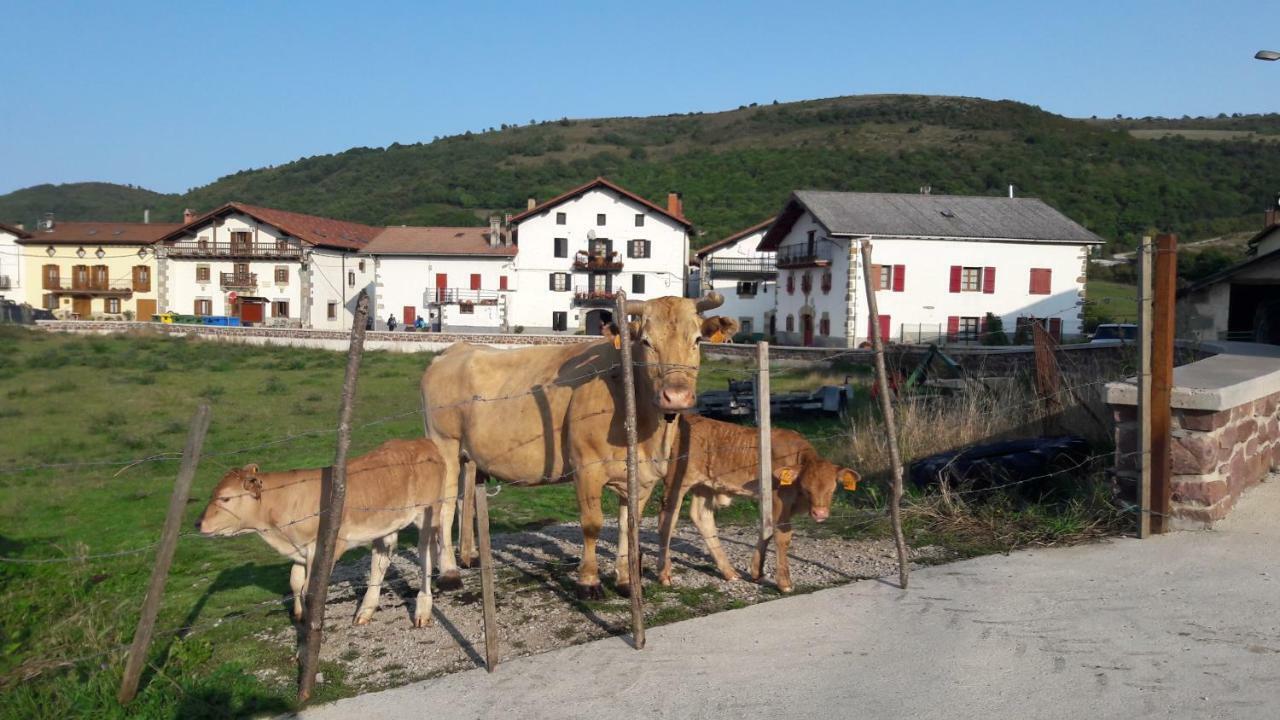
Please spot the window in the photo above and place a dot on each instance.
(826, 282)
(333, 310)
(111, 305)
(282, 274)
(204, 306)
(806, 283)
(282, 245)
(824, 325)
(51, 278)
(361, 266)
(141, 278)
(100, 276)
(561, 218)
(351, 278)
(747, 289)
(280, 309)
(745, 326)
(559, 282)
(791, 323)
(562, 247)
(50, 301)
(202, 243)
(80, 276)
(600, 219)
(1041, 281)
(971, 279)
(637, 284)
(466, 308)
(963, 329)
(559, 320)
(600, 282)
(638, 249)
(502, 282)
(475, 281)
(601, 247)
(202, 273)
(639, 219)
(882, 280)
(811, 243)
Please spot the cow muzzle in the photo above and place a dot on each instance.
(819, 514)
(674, 399)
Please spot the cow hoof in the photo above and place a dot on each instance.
(451, 580)
(362, 619)
(469, 561)
(590, 592)
(785, 588)
(422, 622)
(664, 580)
(623, 590)
(732, 577)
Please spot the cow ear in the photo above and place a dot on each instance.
(786, 474)
(633, 329)
(848, 478)
(253, 484)
(719, 329)
(251, 469)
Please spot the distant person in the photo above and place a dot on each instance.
(391, 323)
(420, 324)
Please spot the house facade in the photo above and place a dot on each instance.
(266, 267)
(11, 262)
(92, 270)
(1240, 303)
(941, 264)
(579, 248)
(457, 279)
(746, 276)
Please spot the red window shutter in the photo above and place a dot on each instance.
(475, 281)
(899, 277)
(884, 328)
(791, 284)
(502, 282)
(956, 270)
(982, 327)
(953, 327)
(989, 280)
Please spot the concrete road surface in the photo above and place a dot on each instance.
(1179, 626)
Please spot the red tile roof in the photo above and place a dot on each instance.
(66, 232)
(708, 249)
(12, 230)
(311, 229)
(598, 182)
(436, 241)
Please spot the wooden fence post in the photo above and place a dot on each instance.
(1166, 282)
(333, 496)
(763, 422)
(481, 499)
(633, 485)
(164, 556)
(1145, 290)
(890, 423)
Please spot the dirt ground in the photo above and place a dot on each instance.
(537, 608)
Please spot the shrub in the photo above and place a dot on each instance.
(995, 334)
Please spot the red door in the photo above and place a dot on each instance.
(475, 281)
(884, 328)
(250, 312)
(806, 322)
(442, 286)
(408, 315)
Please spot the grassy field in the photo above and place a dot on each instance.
(1117, 300)
(77, 411)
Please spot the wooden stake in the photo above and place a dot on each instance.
(763, 422)
(333, 497)
(633, 484)
(467, 515)
(1162, 315)
(486, 574)
(890, 424)
(164, 556)
(1145, 290)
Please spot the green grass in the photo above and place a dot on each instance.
(1116, 300)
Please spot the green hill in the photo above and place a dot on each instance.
(737, 167)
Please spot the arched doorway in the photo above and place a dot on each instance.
(806, 326)
(596, 320)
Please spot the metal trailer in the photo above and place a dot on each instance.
(739, 401)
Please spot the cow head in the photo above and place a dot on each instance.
(817, 479)
(666, 334)
(235, 505)
(719, 329)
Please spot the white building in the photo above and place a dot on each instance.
(11, 262)
(457, 279)
(745, 275)
(265, 267)
(941, 264)
(576, 250)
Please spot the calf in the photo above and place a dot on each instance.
(718, 460)
(396, 485)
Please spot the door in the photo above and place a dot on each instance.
(806, 322)
(82, 307)
(559, 320)
(409, 316)
(884, 328)
(146, 308)
(442, 286)
(250, 311)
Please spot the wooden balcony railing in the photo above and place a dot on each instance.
(585, 261)
(234, 281)
(586, 297)
(802, 256)
(454, 296)
(232, 250)
(88, 287)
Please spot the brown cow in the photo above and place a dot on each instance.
(396, 485)
(718, 460)
(553, 414)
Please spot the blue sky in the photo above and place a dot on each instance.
(173, 95)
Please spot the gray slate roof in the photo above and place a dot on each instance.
(916, 215)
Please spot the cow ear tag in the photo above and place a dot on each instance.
(617, 342)
(850, 480)
(786, 476)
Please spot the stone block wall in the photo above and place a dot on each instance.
(1216, 455)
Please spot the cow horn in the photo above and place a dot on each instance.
(710, 301)
(635, 307)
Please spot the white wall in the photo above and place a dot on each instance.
(664, 270)
(411, 280)
(11, 266)
(926, 298)
(743, 308)
(816, 302)
(338, 276)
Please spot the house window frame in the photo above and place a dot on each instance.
(562, 218)
(282, 274)
(969, 328)
(637, 284)
(971, 279)
(559, 282)
(111, 305)
(639, 219)
(205, 271)
(602, 219)
(203, 307)
(639, 249)
(331, 310)
(276, 305)
(560, 247)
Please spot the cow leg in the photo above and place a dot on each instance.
(672, 498)
(782, 541)
(426, 542)
(705, 520)
(450, 577)
(622, 569)
(467, 553)
(589, 485)
(379, 561)
(298, 584)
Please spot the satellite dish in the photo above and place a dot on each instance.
(591, 234)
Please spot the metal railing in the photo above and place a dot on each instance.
(1238, 336)
(594, 298)
(454, 296)
(923, 334)
(97, 287)
(728, 267)
(232, 250)
(239, 280)
(803, 256)
(585, 261)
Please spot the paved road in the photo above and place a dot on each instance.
(1180, 626)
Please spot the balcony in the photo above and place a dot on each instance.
(586, 297)
(599, 262)
(234, 250)
(800, 256)
(747, 268)
(110, 288)
(457, 296)
(239, 281)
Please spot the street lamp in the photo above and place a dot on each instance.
(1267, 55)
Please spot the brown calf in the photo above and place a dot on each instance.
(396, 485)
(717, 460)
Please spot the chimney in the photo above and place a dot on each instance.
(46, 224)
(675, 204)
(146, 216)
(21, 226)
(495, 231)
(1270, 219)
(1010, 190)
(188, 216)
(532, 204)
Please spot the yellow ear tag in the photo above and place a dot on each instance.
(716, 337)
(786, 476)
(617, 342)
(850, 481)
